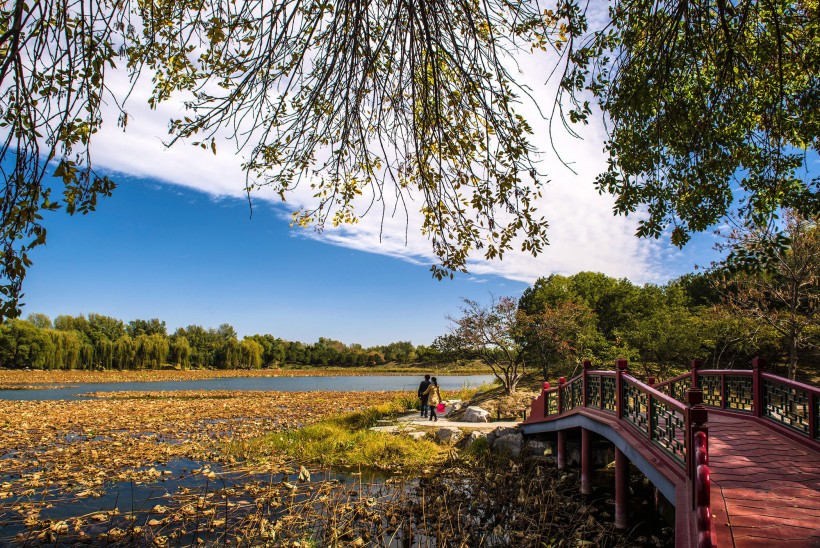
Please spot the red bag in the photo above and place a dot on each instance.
(440, 408)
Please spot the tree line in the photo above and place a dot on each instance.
(97, 342)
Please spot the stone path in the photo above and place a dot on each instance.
(416, 420)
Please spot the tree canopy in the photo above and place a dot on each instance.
(402, 106)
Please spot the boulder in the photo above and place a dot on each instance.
(449, 435)
(509, 443)
(475, 435)
(416, 435)
(504, 431)
(476, 414)
(537, 448)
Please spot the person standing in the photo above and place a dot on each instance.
(423, 396)
(433, 397)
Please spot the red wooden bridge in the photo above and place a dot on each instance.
(737, 452)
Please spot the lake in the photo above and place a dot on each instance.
(344, 383)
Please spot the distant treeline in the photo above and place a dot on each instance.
(102, 342)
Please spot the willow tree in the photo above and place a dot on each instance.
(411, 105)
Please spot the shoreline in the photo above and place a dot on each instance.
(13, 379)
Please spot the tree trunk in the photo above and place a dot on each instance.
(792, 355)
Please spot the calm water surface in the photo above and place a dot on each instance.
(279, 384)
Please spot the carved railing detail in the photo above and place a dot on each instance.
(676, 387)
(787, 405)
(608, 393)
(669, 428)
(594, 391)
(576, 392)
(635, 408)
(712, 386)
(738, 393)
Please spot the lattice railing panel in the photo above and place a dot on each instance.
(566, 397)
(786, 405)
(738, 393)
(817, 417)
(635, 406)
(676, 389)
(577, 392)
(669, 429)
(594, 391)
(608, 393)
(712, 389)
(551, 403)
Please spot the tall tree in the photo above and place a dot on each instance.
(492, 333)
(39, 320)
(557, 335)
(785, 294)
(135, 328)
(181, 352)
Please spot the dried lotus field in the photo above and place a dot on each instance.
(148, 468)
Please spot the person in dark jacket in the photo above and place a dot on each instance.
(422, 396)
(434, 398)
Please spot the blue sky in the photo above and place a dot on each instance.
(160, 250)
(156, 250)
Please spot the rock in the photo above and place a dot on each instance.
(416, 435)
(538, 448)
(504, 431)
(392, 429)
(455, 405)
(475, 435)
(476, 414)
(510, 443)
(448, 435)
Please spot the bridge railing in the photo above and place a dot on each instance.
(660, 417)
(677, 428)
(785, 402)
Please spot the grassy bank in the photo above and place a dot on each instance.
(347, 441)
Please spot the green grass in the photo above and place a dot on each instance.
(346, 441)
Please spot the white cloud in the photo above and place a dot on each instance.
(583, 233)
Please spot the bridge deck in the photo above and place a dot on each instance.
(765, 487)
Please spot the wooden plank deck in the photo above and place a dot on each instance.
(765, 487)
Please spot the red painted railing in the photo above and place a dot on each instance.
(781, 401)
(672, 414)
(677, 428)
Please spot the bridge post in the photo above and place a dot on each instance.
(620, 368)
(586, 462)
(697, 456)
(544, 397)
(562, 434)
(585, 378)
(621, 490)
(758, 366)
(695, 422)
(696, 365)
